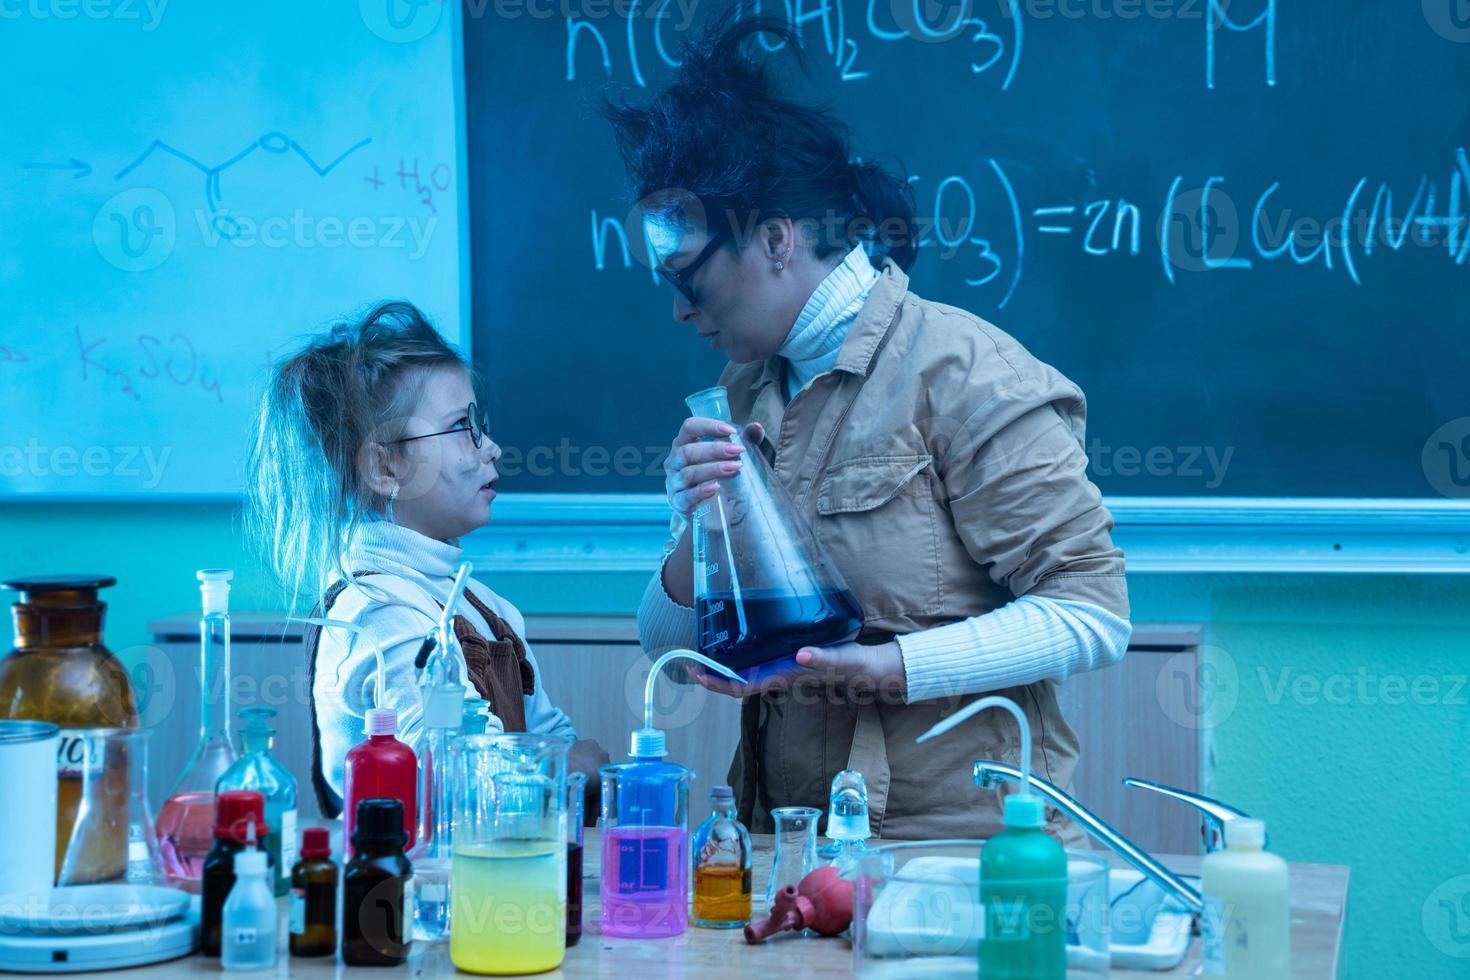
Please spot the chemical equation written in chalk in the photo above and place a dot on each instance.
(991, 34)
(1200, 224)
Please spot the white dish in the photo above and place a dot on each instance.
(94, 908)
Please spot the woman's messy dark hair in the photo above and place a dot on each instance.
(722, 134)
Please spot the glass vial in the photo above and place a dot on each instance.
(376, 887)
(722, 862)
(249, 941)
(314, 897)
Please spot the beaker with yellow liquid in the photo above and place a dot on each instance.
(508, 875)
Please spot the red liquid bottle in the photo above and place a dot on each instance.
(380, 768)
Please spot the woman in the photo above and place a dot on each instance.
(939, 462)
(371, 460)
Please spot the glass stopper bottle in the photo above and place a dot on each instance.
(257, 769)
(722, 860)
(187, 814)
(61, 672)
(848, 826)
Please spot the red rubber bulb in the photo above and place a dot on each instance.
(831, 897)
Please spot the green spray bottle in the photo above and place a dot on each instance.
(1023, 876)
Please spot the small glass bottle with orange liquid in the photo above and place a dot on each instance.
(722, 860)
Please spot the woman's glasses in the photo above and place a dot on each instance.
(683, 279)
(476, 422)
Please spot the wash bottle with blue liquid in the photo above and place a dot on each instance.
(645, 829)
(1023, 875)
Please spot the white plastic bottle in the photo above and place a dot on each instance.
(248, 937)
(1247, 917)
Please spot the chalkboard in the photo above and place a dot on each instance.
(1149, 195)
(188, 188)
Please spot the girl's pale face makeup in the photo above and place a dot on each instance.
(446, 485)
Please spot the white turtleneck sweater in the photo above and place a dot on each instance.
(396, 607)
(1030, 639)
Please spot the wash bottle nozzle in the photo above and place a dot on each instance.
(650, 742)
(360, 633)
(1023, 809)
(439, 636)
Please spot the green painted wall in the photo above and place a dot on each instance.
(1337, 705)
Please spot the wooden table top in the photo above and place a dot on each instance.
(1318, 907)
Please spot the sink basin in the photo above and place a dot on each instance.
(1150, 928)
(919, 916)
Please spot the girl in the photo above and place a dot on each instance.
(940, 463)
(371, 460)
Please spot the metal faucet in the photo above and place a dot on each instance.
(989, 773)
(1216, 814)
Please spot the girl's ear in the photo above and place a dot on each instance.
(378, 471)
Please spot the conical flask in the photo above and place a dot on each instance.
(763, 585)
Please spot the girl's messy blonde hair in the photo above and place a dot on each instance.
(347, 394)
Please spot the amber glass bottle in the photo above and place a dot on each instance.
(61, 672)
(376, 904)
(314, 897)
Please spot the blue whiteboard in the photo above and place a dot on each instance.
(189, 188)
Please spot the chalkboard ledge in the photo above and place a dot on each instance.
(615, 533)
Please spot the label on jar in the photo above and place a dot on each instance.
(298, 911)
(77, 755)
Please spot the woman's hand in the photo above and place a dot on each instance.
(851, 669)
(694, 466)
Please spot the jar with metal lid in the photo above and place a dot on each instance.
(60, 671)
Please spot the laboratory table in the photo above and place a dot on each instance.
(1318, 909)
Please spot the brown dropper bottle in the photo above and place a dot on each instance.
(61, 672)
(314, 896)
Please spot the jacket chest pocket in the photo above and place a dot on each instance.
(878, 520)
